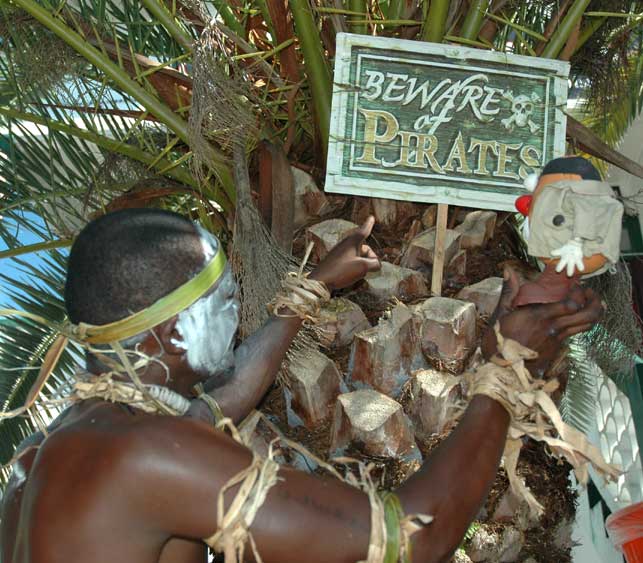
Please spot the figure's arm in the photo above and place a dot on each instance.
(258, 359)
(257, 362)
(304, 517)
(465, 464)
(325, 519)
(12, 497)
(454, 482)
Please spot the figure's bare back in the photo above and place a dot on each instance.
(69, 497)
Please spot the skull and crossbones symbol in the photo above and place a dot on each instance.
(522, 107)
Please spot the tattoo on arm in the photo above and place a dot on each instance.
(330, 511)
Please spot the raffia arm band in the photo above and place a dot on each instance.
(534, 414)
(211, 402)
(233, 523)
(391, 530)
(302, 296)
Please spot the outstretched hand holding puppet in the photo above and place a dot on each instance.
(573, 227)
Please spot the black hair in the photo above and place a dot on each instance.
(572, 165)
(124, 261)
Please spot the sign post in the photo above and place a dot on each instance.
(441, 123)
(438, 251)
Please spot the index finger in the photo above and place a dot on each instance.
(366, 227)
(554, 310)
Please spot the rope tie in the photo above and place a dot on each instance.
(533, 414)
(106, 388)
(301, 295)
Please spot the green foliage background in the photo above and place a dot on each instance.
(95, 99)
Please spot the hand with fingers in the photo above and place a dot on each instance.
(542, 328)
(349, 260)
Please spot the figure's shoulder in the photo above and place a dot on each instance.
(112, 436)
(160, 437)
(141, 448)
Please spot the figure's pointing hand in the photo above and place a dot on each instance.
(350, 260)
(371, 260)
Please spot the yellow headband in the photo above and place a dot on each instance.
(162, 310)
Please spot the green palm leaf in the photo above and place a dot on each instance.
(95, 97)
(24, 342)
(579, 401)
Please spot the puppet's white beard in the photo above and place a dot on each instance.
(208, 328)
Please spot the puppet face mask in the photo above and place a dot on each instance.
(208, 328)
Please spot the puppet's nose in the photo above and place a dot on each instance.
(523, 203)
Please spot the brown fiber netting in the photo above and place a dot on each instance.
(39, 60)
(614, 342)
(224, 111)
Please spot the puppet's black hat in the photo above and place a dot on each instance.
(572, 165)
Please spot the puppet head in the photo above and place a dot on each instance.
(574, 218)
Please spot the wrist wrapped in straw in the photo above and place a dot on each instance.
(302, 296)
(533, 413)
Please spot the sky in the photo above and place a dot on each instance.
(8, 266)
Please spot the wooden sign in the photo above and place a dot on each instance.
(441, 123)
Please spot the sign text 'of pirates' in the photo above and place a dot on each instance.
(440, 123)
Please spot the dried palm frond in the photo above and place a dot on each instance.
(39, 58)
(223, 110)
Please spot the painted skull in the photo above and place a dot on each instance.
(522, 108)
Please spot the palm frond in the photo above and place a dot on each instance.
(608, 70)
(578, 404)
(24, 342)
(96, 96)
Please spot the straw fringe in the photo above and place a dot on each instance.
(533, 414)
(233, 524)
(104, 387)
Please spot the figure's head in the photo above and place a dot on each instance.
(572, 168)
(567, 168)
(125, 261)
(551, 215)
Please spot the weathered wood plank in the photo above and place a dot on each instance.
(589, 142)
(441, 123)
(438, 256)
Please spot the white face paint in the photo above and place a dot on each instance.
(209, 325)
(209, 243)
(208, 328)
